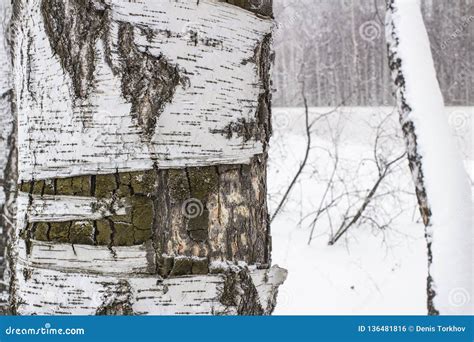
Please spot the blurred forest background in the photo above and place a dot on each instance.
(339, 47)
(339, 171)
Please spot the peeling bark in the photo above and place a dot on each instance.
(126, 176)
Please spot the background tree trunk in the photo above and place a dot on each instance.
(408, 128)
(441, 182)
(143, 132)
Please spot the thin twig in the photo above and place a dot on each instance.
(306, 156)
(344, 228)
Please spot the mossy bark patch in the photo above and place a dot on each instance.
(59, 231)
(103, 233)
(82, 232)
(132, 228)
(41, 231)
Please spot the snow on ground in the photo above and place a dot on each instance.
(369, 271)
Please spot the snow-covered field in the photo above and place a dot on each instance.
(374, 268)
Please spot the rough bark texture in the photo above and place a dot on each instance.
(142, 158)
(7, 149)
(414, 156)
(147, 83)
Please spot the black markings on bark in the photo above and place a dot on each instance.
(259, 127)
(260, 7)
(118, 300)
(73, 28)
(414, 158)
(265, 58)
(7, 214)
(239, 291)
(408, 128)
(148, 82)
(244, 129)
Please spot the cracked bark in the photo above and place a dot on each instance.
(159, 206)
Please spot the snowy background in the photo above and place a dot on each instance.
(379, 265)
(371, 270)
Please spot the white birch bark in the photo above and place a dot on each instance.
(442, 186)
(6, 145)
(210, 45)
(131, 115)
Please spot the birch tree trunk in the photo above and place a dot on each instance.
(442, 186)
(7, 151)
(143, 131)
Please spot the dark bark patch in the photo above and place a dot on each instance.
(182, 265)
(244, 129)
(222, 225)
(148, 82)
(73, 28)
(265, 58)
(134, 227)
(82, 233)
(118, 300)
(202, 182)
(432, 311)
(239, 291)
(59, 231)
(261, 7)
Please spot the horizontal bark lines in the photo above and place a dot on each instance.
(214, 212)
(235, 290)
(115, 85)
